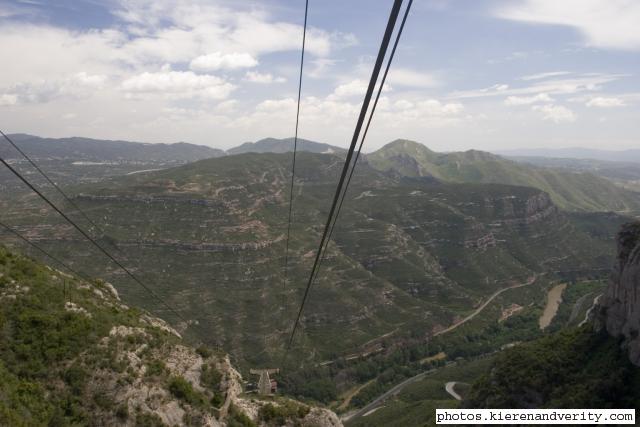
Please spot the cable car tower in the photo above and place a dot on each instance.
(266, 385)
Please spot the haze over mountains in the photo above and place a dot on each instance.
(576, 153)
(78, 149)
(96, 150)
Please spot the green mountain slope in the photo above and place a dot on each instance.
(576, 191)
(69, 161)
(98, 150)
(570, 369)
(408, 255)
(71, 353)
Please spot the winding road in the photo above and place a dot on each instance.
(484, 305)
(449, 387)
(392, 392)
(398, 387)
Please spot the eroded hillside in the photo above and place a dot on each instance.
(408, 253)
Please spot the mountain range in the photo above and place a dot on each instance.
(571, 190)
(94, 150)
(425, 242)
(210, 236)
(572, 185)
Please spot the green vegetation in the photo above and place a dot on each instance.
(61, 364)
(208, 237)
(414, 263)
(284, 411)
(183, 390)
(148, 420)
(237, 418)
(577, 298)
(577, 190)
(570, 369)
(415, 405)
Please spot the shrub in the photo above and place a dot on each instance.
(238, 419)
(155, 368)
(278, 415)
(210, 377)
(75, 378)
(183, 390)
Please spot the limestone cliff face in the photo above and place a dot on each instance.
(514, 210)
(619, 310)
(101, 362)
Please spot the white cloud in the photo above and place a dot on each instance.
(403, 104)
(265, 78)
(609, 24)
(412, 78)
(500, 87)
(219, 61)
(320, 67)
(555, 113)
(434, 107)
(90, 80)
(603, 102)
(275, 105)
(527, 100)
(540, 76)
(354, 89)
(8, 99)
(77, 86)
(178, 84)
(582, 83)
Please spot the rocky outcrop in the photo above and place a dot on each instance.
(516, 211)
(619, 308)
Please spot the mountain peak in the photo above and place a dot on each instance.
(406, 145)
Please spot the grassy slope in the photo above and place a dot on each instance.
(578, 191)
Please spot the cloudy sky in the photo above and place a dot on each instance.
(486, 74)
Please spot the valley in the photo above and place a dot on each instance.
(318, 213)
(419, 265)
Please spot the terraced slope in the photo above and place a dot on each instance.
(569, 190)
(410, 254)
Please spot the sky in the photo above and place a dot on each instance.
(482, 74)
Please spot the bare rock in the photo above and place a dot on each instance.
(619, 308)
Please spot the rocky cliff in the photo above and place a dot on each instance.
(619, 310)
(71, 353)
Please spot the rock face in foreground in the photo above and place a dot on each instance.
(619, 310)
(71, 353)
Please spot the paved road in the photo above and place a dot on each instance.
(397, 388)
(588, 313)
(392, 392)
(449, 387)
(531, 281)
